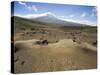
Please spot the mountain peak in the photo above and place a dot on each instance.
(50, 18)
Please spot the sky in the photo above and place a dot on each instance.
(75, 13)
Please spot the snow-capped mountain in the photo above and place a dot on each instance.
(51, 19)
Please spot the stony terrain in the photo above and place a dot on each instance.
(43, 47)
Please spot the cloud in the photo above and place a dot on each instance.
(84, 21)
(83, 14)
(36, 15)
(22, 3)
(71, 16)
(34, 8)
(88, 22)
(94, 11)
(30, 8)
(63, 16)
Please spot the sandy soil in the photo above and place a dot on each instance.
(60, 56)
